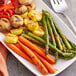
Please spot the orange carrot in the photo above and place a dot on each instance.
(36, 49)
(38, 63)
(18, 46)
(40, 48)
(50, 68)
(19, 52)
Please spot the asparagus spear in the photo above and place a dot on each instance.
(46, 35)
(64, 47)
(62, 57)
(36, 41)
(61, 34)
(54, 54)
(57, 56)
(72, 44)
(54, 30)
(71, 51)
(40, 23)
(68, 45)
(32, 39)
(52, 37)
(50, 45)
(67, 58)
(51, 33)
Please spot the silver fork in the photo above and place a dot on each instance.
(60, 6)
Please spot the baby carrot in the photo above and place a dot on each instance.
(19, 52)
(18, 46)
(50, 68)
(38, 63)
(43, 50)
(36, 49)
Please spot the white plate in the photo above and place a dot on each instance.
(61, 64)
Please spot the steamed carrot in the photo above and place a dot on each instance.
(38, 63)
(19, 52)
(43, 50)
(36, 49)
(50, 68)
(18, 46)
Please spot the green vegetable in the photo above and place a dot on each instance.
(51, 33)
(63, 45)
(72, 44)
(54, 30)
(40, 23)
(67, 58)
(32, 39)
(50, 45)
(71, 51)
(46, 35)
(56, 55)
(68, 45)
(52, 37)
(59, 31)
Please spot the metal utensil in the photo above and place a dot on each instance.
(60, 6)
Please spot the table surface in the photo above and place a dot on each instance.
(15, 68)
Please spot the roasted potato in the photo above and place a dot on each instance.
(16, 21)
(25, 2)
(21, 9)
(32, 6)
(35, 15)
(4, 24)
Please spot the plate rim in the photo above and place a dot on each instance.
(14, 54)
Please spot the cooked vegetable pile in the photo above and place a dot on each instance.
(34, 54)
(54, 41)
(34, 35)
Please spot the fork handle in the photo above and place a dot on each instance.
(74, 28)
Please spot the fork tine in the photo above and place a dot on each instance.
(58, 1)
(54, 1)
